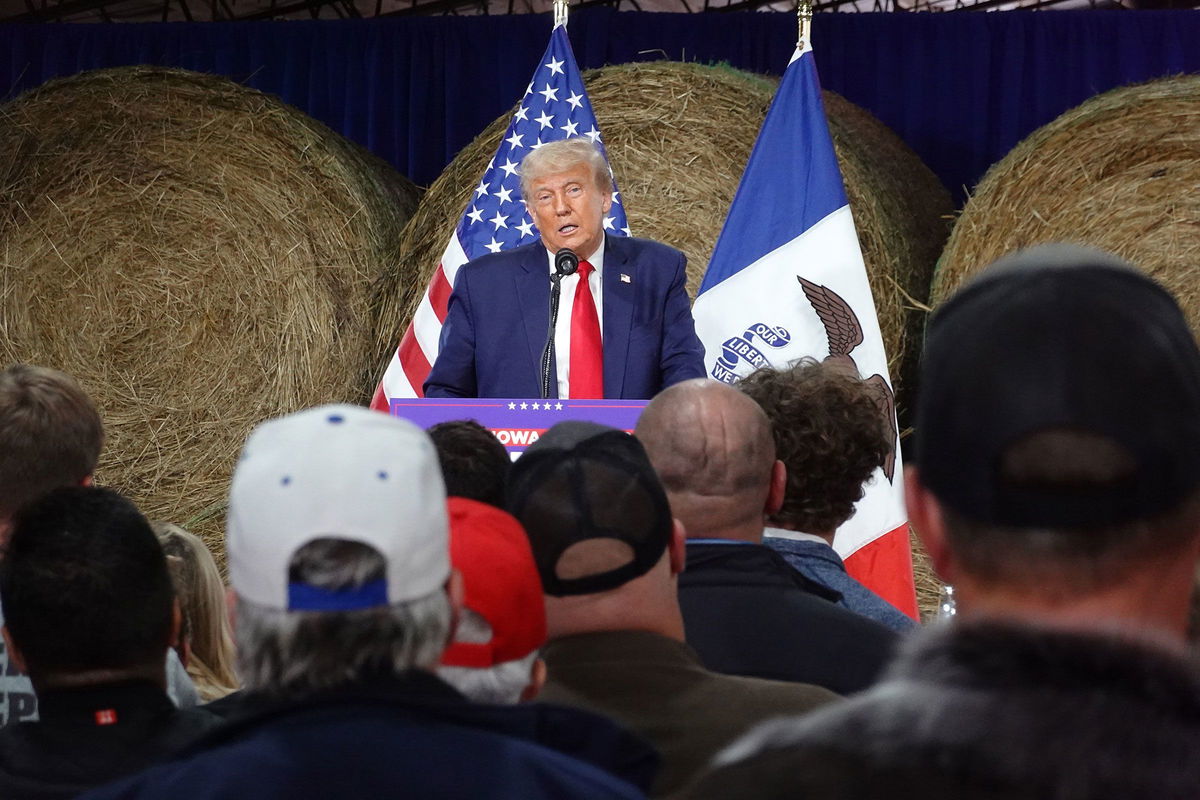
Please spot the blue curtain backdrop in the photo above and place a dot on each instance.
(961, 89)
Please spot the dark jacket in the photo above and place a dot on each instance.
(495, 328)
(820, 563)
(747, 612)
(411, 736)
(657, 687)
(571, 731)
(90, 736)
(991, 710)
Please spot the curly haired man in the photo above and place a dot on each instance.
(829, 435)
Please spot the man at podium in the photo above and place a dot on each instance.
(623, 324)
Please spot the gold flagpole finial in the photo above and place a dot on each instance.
(560, 12)
(804, 12)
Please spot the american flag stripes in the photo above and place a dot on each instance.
(555, 106)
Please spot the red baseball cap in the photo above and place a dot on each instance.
(500, 581)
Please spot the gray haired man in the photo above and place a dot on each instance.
(345, 599)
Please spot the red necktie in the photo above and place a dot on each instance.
(586, 378)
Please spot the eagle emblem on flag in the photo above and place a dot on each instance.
(844, 332)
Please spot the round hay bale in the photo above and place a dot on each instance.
(198, 254)
(679, 136)
(1119, 172)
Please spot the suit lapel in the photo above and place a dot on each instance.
(532, 286)
(618, 313)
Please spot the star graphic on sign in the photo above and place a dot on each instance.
(545, 120)
(549, 93)
(571, 128)
(555, 66)
(481, 189)
(608, 223)
(511, 406)
(526, 228)
(493, 246)
(576, 100)
(500, 221)
(505, 195)
(558, 406)
(509, 167)
(475, 214)
(593, 134)
(522, 113)
(524, 406)
(514, 141)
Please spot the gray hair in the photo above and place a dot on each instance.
(561, 156)
(291, 653)
(500, 683)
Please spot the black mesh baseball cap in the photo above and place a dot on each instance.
(1059, 338)
(582, 488)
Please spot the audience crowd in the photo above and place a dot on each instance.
(660, 614)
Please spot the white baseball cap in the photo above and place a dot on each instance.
(344, 472)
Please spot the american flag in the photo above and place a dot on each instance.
(555, 106)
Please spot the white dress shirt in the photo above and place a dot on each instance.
(566, 301)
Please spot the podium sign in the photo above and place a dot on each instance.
(517, 422)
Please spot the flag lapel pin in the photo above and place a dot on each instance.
(625, 278)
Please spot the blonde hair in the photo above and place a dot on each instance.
(202, 600)
(561, 156)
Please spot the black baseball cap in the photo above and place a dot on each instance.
(582, 482)
(1059, 338)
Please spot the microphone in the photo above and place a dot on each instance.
(566, 262)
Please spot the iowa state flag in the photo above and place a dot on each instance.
(787, 280)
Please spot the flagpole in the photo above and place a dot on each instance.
(560, 12)
(804, 12)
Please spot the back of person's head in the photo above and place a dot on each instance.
(85, 590)
(827, 773)
(201, 593)
(593, 508)
(711, 447)
(474, 463)
(830, 435)
(50, 434)
(494, 655)
(338, 551)
(1058, 426)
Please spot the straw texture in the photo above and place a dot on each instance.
(198, 255)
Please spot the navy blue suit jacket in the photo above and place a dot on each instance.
(495, 328)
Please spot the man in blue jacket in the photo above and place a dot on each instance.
(624, 327)
(345, 599)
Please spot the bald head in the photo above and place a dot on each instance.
(713, 450)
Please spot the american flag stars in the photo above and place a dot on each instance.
(554, 107)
